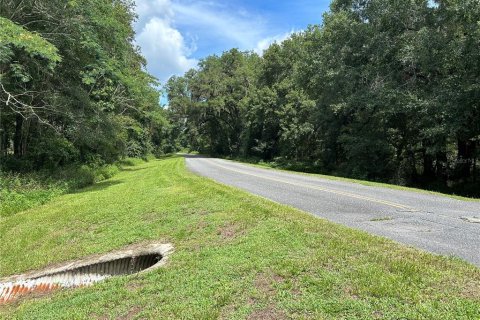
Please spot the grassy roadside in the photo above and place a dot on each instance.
(237, 256)
(272, 166)
(21, 191)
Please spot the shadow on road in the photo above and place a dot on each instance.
(199, 156)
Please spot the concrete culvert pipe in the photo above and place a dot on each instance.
(85, 272)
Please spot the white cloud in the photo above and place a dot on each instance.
(165, 49)
(168, 32)
(158, 8)
(217, 20)
(163, 46)
(263, 44)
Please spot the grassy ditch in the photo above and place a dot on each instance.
(237, 256)
(21, 191)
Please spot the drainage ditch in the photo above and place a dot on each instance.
(86, 272)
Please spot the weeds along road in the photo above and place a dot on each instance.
(432, 222)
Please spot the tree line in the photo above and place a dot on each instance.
(384, 90)
(73, 86)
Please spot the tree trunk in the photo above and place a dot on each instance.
(25, 134)
(475, 169)
(428, 171)
(3, 139)
(441, 166)
(465, 154)
(17, 139)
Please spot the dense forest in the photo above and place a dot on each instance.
(73, 87)
(383, 90)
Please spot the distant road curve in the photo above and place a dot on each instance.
(431, 222)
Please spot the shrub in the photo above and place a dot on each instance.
(21, 191)
(105, 172)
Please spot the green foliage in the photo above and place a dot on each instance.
(14, 36)
(211, 102)
(74, 89)
(18, 193)
(236, 256)
(384, 90)
(21, 191)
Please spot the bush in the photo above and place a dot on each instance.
(105, 172)
(78, 178)
(130, 162)
(21, 191)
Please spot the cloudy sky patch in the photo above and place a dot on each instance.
(175, 34)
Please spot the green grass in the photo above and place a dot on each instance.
(21, 191)
(236, 255)
(275, 166)
(18, 193)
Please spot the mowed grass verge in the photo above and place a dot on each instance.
(236, 256)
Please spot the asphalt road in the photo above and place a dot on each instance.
(434, 223)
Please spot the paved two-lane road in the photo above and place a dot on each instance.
(434, 223)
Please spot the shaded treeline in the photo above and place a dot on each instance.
(384, 90)
(73, 87)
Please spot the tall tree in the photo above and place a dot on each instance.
(76, 68)
(383, 90)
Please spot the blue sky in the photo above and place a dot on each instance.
(175, 34)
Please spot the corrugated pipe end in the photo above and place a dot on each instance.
(86, 272)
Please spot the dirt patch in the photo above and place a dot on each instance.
(27, 296)
(196, 228)
(277, 278)
(296, 291)
(227, 312)
(264, 283)
(230, 231)
(468, 289)
(269, 313)
(471, 290)
(134, 285)
(377, 315)
(152, 216)
(92, 228)
(131, 313)
(200, 212)
(351, 293)
(202, 225)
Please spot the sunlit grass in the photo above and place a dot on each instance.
(236, 255)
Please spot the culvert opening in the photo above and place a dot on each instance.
(87, 271)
